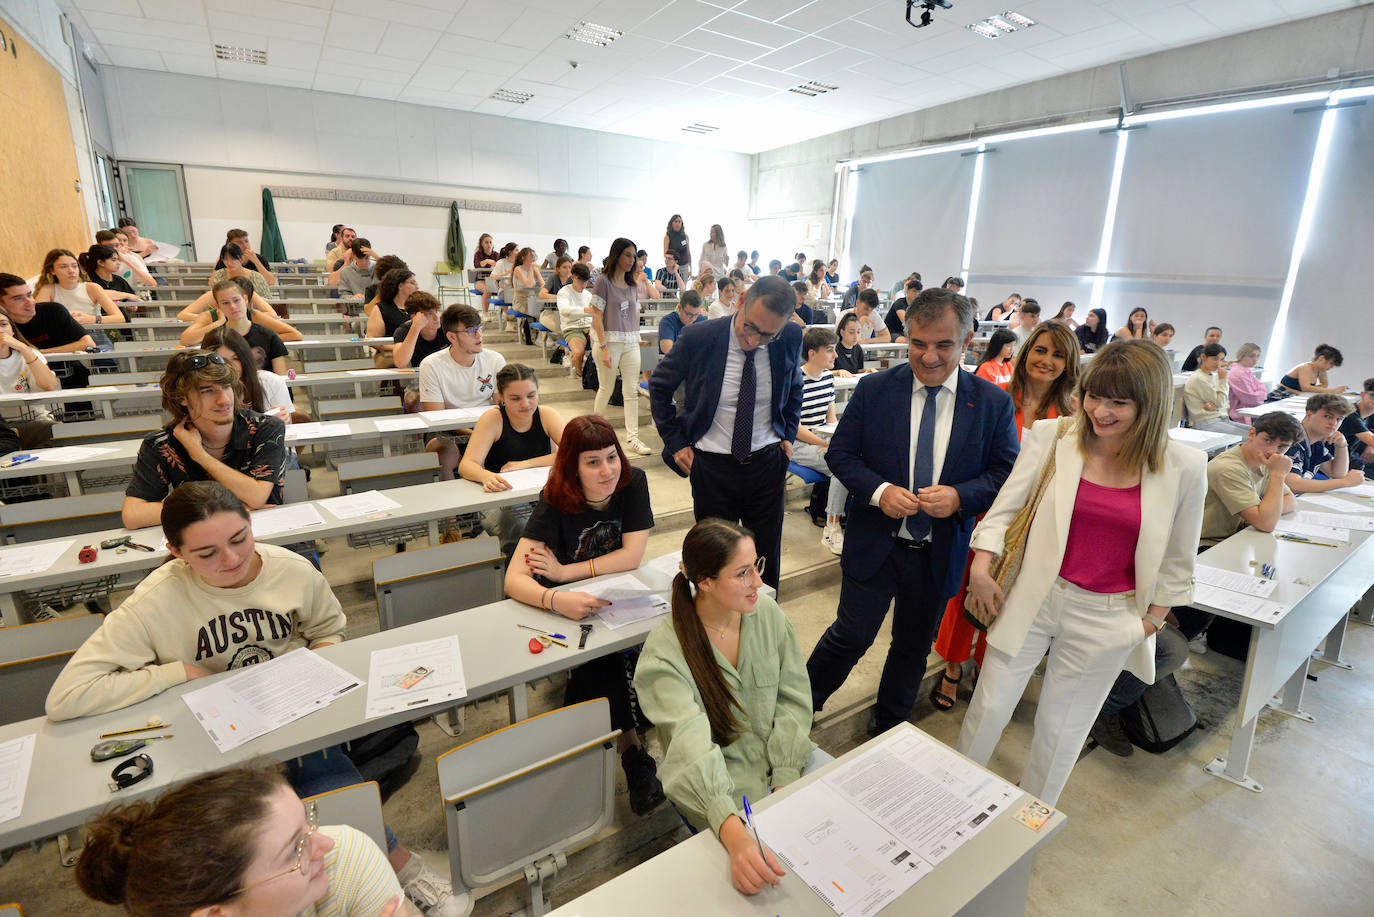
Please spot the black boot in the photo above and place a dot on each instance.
(641, 774)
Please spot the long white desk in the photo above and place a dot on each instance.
(988, 875)
(65, 787)
(152, 329)
(130, 352)
(1336, 579)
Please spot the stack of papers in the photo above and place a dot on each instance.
(1238, 593)
(286, 518)
(630, 600)
(408, 422)
(31, 558)
(1320, 533)
(1360, 490)
(15, 757)
(315, 430)
(1335, 521)
(260, 698)
(461, 415)
(1339, 504)
(527, 478)
(415, 675)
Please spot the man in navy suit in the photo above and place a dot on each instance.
(923, 449)
(733, 439)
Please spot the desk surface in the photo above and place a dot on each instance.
(695, 875)
(126, 350)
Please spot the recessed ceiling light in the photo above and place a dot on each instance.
(240, 55)
(1019, 20)
(593, 34)
(697, 128)
(1005, 24)
(512, 95)
(1000, 24)
(812, 88)
(982, 28)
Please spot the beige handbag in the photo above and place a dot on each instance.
(1006, 566)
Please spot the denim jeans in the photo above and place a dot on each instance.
(328, 769)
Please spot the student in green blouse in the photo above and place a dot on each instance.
(725, 683)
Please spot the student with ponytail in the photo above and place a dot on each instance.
(725, 683)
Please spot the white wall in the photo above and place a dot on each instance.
(586, 186)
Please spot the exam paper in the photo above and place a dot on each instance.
(71, 453)
(667, 565)
(31, 558)
(1334, 520)
(285, 518)
(447, 415)
(386, 690)
(1359, 490)
(630, 600)
(1236, 582)
(1249, 606)
(1339, 504)
(259, 698)
(527, 478)
(369, 372)
(1188, 435)
(351, 506)
(15, 757)
(1326, 533)
(408, 422)
(315, 430)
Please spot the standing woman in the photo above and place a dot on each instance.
(1065, 314)
(675, 241)
(615, 332)
(63, 281)
(1092, 334)
(1137, 328)
(1043, 378)
(484, 257)
(1110, 549)
(1246, 390)
(593, 518)
(725, 683)
(101, 263)
(995, 366)
(714, 252)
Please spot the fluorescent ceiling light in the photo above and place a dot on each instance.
(593, 34)
(1050, 131)
(512, 95)
(908, 154)
(1104, 250)
(240, 55)
(813, 88)
(1000, 24)
(1224, 107)
(1019, 20)
(697, 128)
(1359, 92)
(972, 212)
(982, 28)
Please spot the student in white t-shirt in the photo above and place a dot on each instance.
(574, 313)
(871, 327)
(463, 376)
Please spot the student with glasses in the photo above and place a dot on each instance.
(724, 682)
(733, 438)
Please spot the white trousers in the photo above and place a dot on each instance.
(1089, 636)
(625, 359)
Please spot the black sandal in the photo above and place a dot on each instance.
(940, 701)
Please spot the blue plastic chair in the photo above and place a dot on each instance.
(808, 475)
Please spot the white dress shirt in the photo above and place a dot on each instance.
(721, 433)
(944, 423)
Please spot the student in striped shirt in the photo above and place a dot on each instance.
(818, 409)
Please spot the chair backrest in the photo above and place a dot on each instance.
(61, 516)
(119, 428)
(419, 585)
(359, 806)
(31, 658)
(384, 473)
(534, 788)
(11, 910)
(376, 405)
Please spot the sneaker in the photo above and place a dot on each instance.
(641, 774)
(1108, 733)
(431, 892)
(833, 538)
(634, 445)
(1198, 644)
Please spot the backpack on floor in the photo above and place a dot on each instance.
(820, 494)
(385, 756)
(1229, 637)
(590, 380)
(1160, 719)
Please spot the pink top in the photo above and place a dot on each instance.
(1247, 391)
(1100, 554)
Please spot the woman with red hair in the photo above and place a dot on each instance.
(592, 518)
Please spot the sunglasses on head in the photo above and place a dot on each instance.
(202, 360)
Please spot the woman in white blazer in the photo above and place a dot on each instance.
(1111, 548)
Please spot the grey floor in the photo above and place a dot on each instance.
(1146, 835)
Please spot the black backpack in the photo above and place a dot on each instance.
(1160, 719)
(386, 756)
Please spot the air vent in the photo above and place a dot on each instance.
(240, 55)
(695, 128)
(593, 34)
(512, 95)
(812, 88)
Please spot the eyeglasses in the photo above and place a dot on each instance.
(472, 331)
(313, 823)
(752, 331)
(745, 577)
(201, 360)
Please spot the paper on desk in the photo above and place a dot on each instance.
(15, 757)
(1359, 490)
(286, 518)
(369, 372)
(527, 478)
(31, 558)
(1236, 582)
(351, 506)
(1308, 530)
(408, 422)
(1188, 435)
(630, 600)
(71, 453)
(260, 698)
(385, 693)
(1338, 504)
(315, 430)
(1334, 521)
(666, 565)
(462, 415)
(1248, 606)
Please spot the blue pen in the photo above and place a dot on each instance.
(749, 819)
(19, 460)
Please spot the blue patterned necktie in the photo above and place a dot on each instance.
(742, 437)
(923, 469)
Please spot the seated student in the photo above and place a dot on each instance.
(895, 320)
(1244, 387)
(498, 282)
(1206, 396)
(688, 312)
(263, 390)
(574, 313)
(1358, 430)
(817, 289)
(818, 409)
(1310, 377)
(754, 264)
(484, 257)
(1092, 334)
(231, 256)
(102, 265)
(260, 308)
(131, 266)
(742, 262)
(706, 287)
(526, 280)
(774, 267)
(871, 327)
(1138, 326)
(142, 246)
(251, 260)
(418, 336)
(212, 436)
(381, 266)
(517, 433)
(849, 356)
(337, 256)
(548, 293)
(223, 602)
(1004, 310)
(1212, 336)
(593, 517)
(802, 314)
(955, 284)
(358, 272)
(851, 295)
(462, 375)
(668, 281)
(728, 296)
(1065, 315)
(260, 331)
(23, 369)
(560, 251)
(1322, 449)
(62, 280)
(1025, 320)
(46, 326)
(231, 842)
(393, 290)
(725, 682)
(793, 272)
(996, 363)
(1163, 335)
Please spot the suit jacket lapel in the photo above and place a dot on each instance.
(904, 380)
(1068, 471)
(1157, 491)
(965, 407)
(714, 367)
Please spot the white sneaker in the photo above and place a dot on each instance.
(431, 892)
(1198, 644)
(832, 536)
(638, 448)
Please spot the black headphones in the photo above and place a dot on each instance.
(129, 772)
